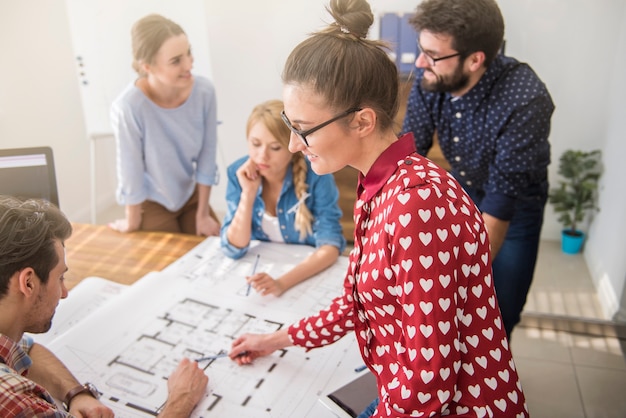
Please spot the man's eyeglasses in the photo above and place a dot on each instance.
(432, 60)
(304, 134)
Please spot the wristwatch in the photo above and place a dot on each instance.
(87, 387)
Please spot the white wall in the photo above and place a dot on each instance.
(249, 46)
(39, 98)
(606, 246)
(579, 50)
(572, 45)
(577, 47)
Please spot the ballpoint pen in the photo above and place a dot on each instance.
(220, 355)
(214, 357)
(256, 263)
(360, 368)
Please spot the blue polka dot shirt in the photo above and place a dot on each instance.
(495, 136)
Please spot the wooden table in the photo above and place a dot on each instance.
(96, 250)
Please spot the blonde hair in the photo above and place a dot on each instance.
(148, 34)
(268, 113)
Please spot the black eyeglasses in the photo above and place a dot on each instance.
(432, 60)
(303, 134)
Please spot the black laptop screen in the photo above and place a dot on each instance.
(28, 173)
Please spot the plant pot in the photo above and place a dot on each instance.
(571, 243)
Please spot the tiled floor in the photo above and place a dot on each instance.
(562, 285)
(564, 374)
(568, 375)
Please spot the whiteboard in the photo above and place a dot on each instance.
(100, 31)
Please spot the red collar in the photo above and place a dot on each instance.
(385, 165)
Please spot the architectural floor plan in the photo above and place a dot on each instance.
(195, 309)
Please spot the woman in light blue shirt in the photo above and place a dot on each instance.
(274, 195)
(165, 126)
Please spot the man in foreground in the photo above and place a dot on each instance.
(32, 268)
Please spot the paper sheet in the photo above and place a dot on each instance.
(85, 298)
(196, 307)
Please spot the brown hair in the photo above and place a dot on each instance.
(344, 67)
(148, 35)
(475, 25)
(268, 113)
(28, 231)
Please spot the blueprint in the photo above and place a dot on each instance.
(86, 297)
(195, 308)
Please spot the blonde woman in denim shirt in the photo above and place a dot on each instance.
(273, 195)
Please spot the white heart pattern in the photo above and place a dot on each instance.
(419, 295)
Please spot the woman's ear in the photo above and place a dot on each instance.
(144, 67)
(366, 119)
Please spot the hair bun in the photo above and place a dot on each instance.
(351, 16)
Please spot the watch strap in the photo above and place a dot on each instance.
(76, 390)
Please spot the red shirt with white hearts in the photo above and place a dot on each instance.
(419, 296)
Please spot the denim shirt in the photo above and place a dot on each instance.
(322, 202)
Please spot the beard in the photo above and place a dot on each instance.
(40, 328)
(47, 326)
(448, 83)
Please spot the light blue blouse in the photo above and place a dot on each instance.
(322, 202)
(162, 153)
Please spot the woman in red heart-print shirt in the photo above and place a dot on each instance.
(418, 292)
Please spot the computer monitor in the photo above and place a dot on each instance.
(28, 173)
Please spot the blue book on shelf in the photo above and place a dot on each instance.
(390, 33)
(408, 50)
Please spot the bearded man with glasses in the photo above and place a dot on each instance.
(491, 115)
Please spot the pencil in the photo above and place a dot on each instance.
(256, 263)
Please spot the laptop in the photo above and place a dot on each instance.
(28, 173)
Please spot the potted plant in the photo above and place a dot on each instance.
(576, 194)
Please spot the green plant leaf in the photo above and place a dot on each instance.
(576, 193)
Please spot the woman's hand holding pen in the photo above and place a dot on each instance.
(248, 347)
(264, 284)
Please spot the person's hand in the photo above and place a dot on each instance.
(185, 387)
(248, 347)
(206, 225)
(132, 221)
(249, 178)
(84, 405)
(264, 284)
(122, 225)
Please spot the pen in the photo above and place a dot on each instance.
(220, 355)
(256, 263)
(214, 357)
(298, 203)
(360, 368)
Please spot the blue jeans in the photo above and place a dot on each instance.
(369, 411)
(514, 266)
